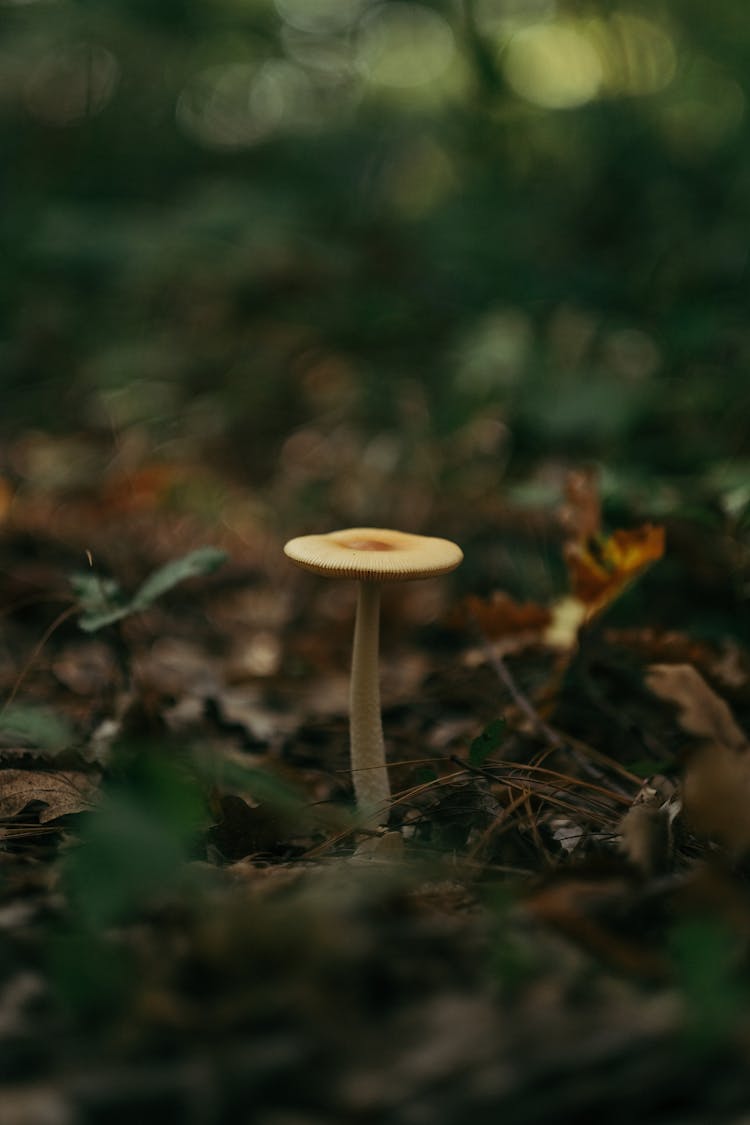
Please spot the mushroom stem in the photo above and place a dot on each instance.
(369, 770)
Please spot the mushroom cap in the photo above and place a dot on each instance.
(374, 554)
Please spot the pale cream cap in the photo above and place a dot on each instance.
(374, 554)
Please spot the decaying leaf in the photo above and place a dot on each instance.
(716, 782)
(501, 616)
(62, 791)
(716, 796)
(701, 711)
(601, 567)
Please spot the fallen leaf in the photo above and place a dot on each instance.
(716, 796)
(716, 780)
(701, 711)
(600, 568)
(659, 646)
(61, 791)
(501, 616)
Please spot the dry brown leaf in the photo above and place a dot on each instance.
(62, 791)
(701, 711)
(501, 616)
(600, 568)
(716, 796)
(716, 782)
(660, 646)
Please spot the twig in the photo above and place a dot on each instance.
(522, 701)
(524, 704)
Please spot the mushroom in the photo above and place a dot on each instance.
(371, 555)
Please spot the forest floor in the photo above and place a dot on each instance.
(193, 926)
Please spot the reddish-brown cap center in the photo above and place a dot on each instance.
(368, 545)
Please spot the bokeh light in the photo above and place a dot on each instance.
(707, 108)
(237, 105)
(320, 17)
(71, 83)
(501, 17)
(404, 45)
(554, 65)
(638, 56)
(565, 63)
(495, 351)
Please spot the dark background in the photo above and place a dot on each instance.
(467, 241)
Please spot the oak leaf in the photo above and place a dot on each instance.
(60, 791)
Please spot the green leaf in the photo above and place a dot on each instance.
(194, 565)
(36, 726)
(101, 600)
(103, 603)
(91, 622)
(94, 593)
(487, 742)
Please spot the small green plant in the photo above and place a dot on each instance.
(102, 601)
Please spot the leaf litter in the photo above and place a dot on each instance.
(212, 928)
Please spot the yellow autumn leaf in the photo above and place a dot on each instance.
(600, 567)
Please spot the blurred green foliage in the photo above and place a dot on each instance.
(103, 603)
(709, 970)
(135, 844)
(131, 855)
(225, 220)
